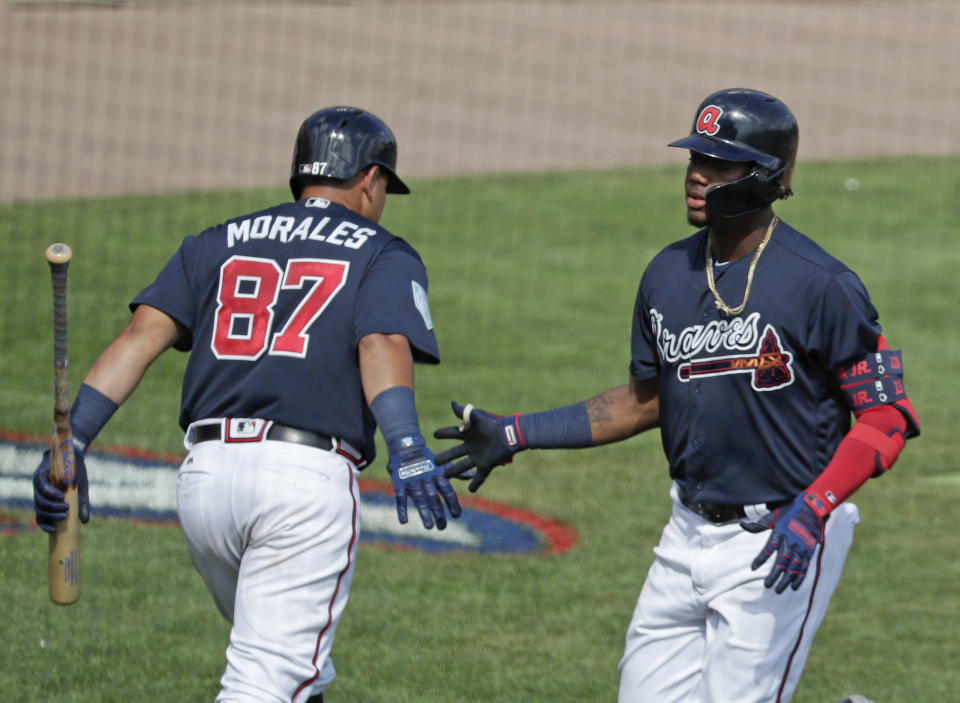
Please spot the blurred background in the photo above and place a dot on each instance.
(146, 97)
(533, 134)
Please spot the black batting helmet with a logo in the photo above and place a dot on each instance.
(338, 143)
(745, 125)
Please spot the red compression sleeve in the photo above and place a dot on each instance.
(870, 447)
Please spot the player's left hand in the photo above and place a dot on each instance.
(48, 500)
(797, 530)
(417, 477)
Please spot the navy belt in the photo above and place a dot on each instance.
(720, 513)
(278, 433)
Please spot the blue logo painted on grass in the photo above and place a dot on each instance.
(142, 486)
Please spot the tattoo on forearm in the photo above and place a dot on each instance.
(599, 410)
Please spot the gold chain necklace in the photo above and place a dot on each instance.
(718, 301)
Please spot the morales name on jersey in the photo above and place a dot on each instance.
(286, 229)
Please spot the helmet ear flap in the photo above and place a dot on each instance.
(773, 179)
(748, 194)
(785, 180)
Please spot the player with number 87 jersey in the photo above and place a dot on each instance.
(303, 322)
(268, 311)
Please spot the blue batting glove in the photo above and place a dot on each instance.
(418, 477)
(797, 530)
(48, 500)
(488, 440)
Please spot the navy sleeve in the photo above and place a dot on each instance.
(393, 300)
(172, 293)
(845, 324)
(644, 358)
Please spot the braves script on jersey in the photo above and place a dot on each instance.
(767, 373)
(273, 286)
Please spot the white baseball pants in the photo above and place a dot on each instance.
(272, 527)
(706, 630)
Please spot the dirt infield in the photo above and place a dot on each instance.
(147, 97)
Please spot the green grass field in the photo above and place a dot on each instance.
(532, 283)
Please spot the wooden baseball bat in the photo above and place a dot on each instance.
(64, 561)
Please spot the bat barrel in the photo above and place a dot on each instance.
(64, 555)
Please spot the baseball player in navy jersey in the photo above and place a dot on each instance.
(303, 323)
(751, 348)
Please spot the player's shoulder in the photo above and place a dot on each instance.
(399, 245)
(686, 252)
(686, 245)
(805, 252)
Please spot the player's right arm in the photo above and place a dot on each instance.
(488, 440)
(625, 411)
(121, 366)
(110, 381)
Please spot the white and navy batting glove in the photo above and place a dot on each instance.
(488, 440)
(797, 529)
(418, 477)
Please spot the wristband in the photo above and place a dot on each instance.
(561, 428)
(396, 414)
(90, 412)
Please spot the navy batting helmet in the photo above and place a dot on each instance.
(746, 126)
(338, 143)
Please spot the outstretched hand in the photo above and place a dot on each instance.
(488, 441)
(797, 529)
(418, 476)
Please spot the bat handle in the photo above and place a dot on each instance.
(58, 256)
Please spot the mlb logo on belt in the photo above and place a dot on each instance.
(241, 429)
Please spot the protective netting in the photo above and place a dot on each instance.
(169, 96)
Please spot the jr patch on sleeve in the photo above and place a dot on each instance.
(876, 379)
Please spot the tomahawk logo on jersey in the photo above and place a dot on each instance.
(769, 367)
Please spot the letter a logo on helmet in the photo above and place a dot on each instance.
(708, 121)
